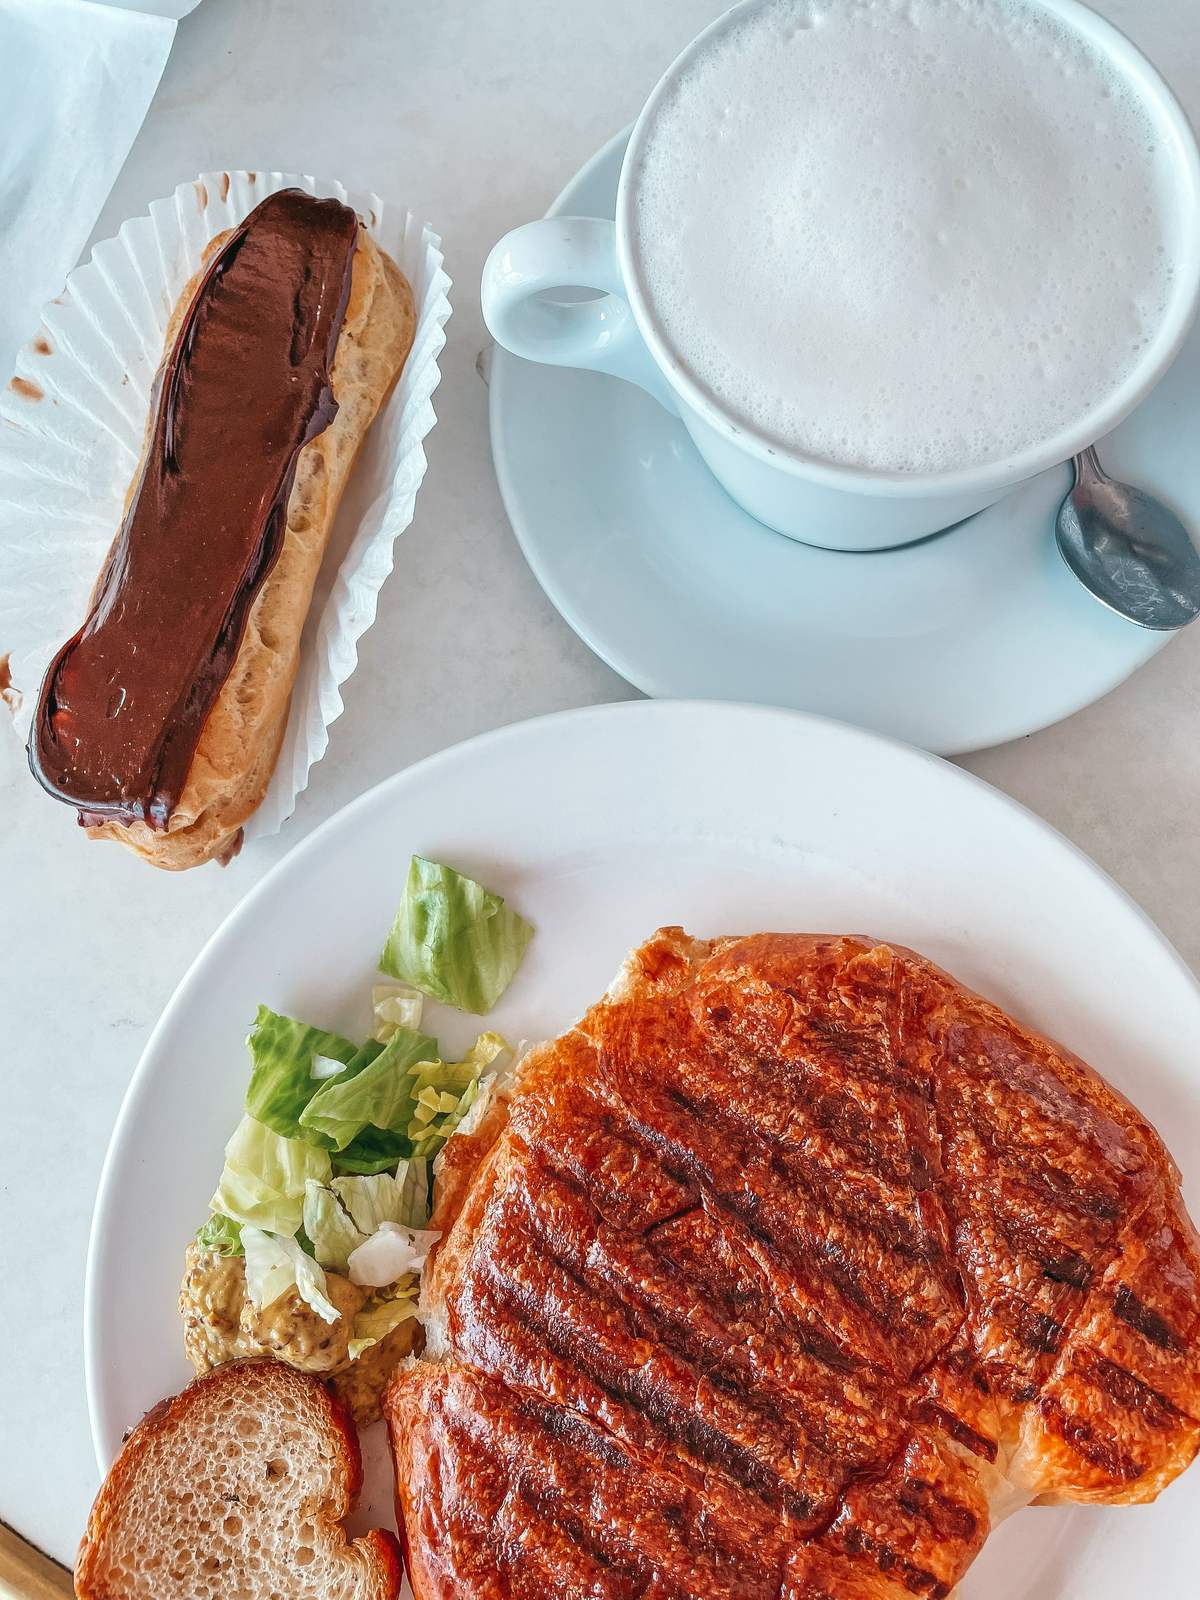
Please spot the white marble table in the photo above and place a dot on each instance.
(475, 113)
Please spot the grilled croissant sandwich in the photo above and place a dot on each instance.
(785, 1275)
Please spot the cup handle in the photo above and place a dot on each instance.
(598, 334)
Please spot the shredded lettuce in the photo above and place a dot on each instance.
(372, 1150)
(402, 1198)
(390, 1253)
(445, 1091)
(330, 1231)
(386, 1309)
(376, 1113)
(379, 1095)
(364, 1057)
(396, 1005)
(339, 1220)
(284, 1053)
(494, 1082)
(411, 1104)
(491, 1052)
(453, 939)
(274, 1265)
(262, 1182)
(437, 1116)
(221, 1235)
(366, 1053)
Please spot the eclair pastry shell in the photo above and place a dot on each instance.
(240, 741)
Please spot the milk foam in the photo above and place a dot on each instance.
(906, 235)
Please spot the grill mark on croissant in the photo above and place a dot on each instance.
(1038, 1331)
(588, 1358)
(693, 1433)
(687, 1165)
(1086, 1440)
(1069, 1269)
(643, 1413)
(944, 1515)
(1016, 1173)
(1143, 1320)
(528, 1482)
(609, 1545)
(764, 1573)
(543, 1501)
(1058, 1193)
(824, 1183)
(673, 1314)
(915, 1578)
(1051, 1242)
(1126, 1389)
(715, 1139)
(607, 1549)
(906, 1235)
(955, 1427)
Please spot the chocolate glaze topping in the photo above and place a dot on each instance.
(244, 388)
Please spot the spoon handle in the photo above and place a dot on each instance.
(1087, 466)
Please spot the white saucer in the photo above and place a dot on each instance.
(966, 640)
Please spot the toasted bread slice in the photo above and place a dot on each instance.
(236, 1486)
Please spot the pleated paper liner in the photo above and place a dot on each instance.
(72, 423)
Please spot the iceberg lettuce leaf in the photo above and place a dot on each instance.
(222, 1236)
(391, 1253)
(453, 939)
(372, 1150)
(282, 1081)
(329, 1229)
(396, 1005)
(379, 1095)
(445, 1091)
(386, 1309)
(402, 1197)
(262, 1181)
(274, 1265)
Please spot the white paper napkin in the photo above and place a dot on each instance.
(76, 80)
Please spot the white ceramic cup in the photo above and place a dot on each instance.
(839, 507)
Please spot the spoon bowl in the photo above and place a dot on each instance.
(1128, 549)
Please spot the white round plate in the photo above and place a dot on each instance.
(965, 640)
(600, 825)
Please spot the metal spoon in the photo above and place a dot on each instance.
(1128, 550)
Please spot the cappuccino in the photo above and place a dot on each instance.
(904, 235)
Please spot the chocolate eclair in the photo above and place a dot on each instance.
(160, 720)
